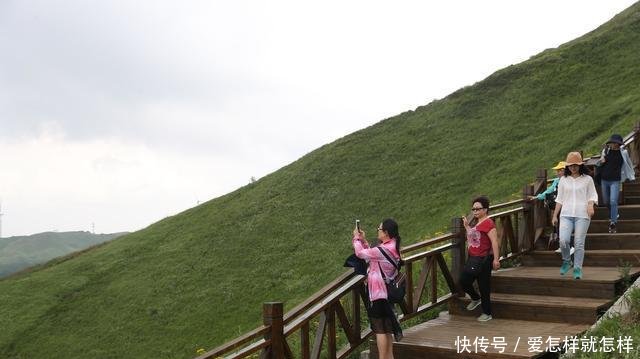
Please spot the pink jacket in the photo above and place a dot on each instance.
(375, 283)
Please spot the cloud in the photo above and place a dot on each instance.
(95, 67)
(137, 109)
(57, 184)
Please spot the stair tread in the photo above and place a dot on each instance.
(547, 301)
(594, 252)
(590, 274)
(528, 292)
(620, 220)
(441, 333)
(622, 206)
(619, 234)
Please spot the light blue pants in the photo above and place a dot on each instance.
(579, 227)
(610, 193)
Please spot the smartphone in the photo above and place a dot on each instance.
(358, 225)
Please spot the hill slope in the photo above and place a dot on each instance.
(20, 252)
(199, 278)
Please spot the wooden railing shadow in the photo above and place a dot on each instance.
(331, 322)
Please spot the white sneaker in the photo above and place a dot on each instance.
(484, 318)
(474, 304)
(558, 250)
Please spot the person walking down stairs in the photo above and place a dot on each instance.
(484, 254)
(615, 166)
(549, 196)
(575, 203)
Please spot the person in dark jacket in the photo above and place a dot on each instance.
(615, 166)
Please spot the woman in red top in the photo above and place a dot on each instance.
(482, 241)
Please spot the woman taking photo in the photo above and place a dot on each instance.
(381, 315)
(484, 254)
(575, 204)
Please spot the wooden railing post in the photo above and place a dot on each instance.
(458, 253)
(526, 242)
(540, 212)
(272, 316)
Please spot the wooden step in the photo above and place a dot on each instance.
(592, 258)
(632, 199)
(436, 339)
(626, 211)
(631, 184)
(537, 308)
(623, 226)
(631, 190)
(612, 241)
(597, 282)
(631, 187)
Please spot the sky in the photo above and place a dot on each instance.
(117, 114)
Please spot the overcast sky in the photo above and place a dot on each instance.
(121, 113)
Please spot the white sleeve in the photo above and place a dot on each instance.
(592, 194)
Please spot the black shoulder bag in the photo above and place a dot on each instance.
(396, 287)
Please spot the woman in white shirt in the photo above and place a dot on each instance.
(575, 204)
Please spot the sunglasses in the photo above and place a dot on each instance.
(477, 209)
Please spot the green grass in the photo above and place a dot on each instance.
(617, 327)
(20, 252)
(199, 278)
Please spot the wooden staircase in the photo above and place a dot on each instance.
(534, 300)
(534, 308)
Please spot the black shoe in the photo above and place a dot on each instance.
(612, 227)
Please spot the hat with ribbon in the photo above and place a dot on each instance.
(573, 158)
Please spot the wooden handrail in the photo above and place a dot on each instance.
(318, 296)
(419, 256)
(326, 303)
(321, 306)
(506, 213)
(329, 297)
(235, 343)
(429, 242)
(505, 205)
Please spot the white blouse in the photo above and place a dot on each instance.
(574, 195)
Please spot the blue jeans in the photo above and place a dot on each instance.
(610, 193)
(579, 226)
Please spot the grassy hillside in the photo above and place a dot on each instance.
(20, 252)
(198, 279)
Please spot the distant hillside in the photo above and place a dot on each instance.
(20, 252)
(199, 278)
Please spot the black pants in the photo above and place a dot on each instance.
(484, 284)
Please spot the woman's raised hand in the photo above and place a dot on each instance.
(465, 221)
